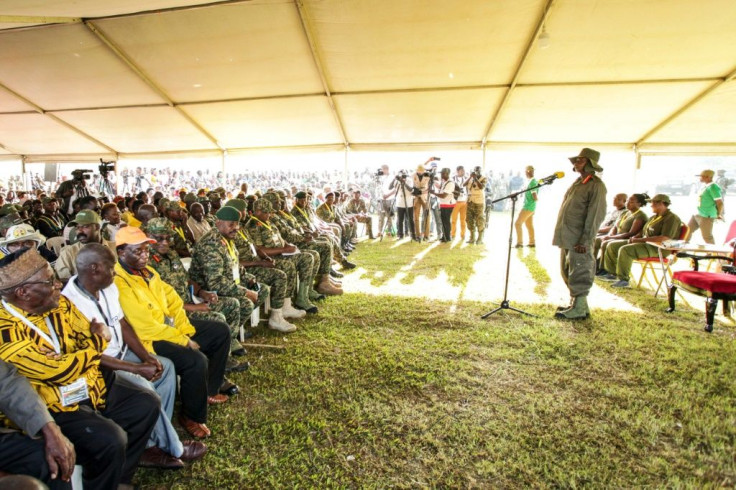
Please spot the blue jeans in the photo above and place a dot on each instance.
(164, 435)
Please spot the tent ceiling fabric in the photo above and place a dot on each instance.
(89, 77)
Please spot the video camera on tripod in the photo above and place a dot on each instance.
(105, 168)
(81, 174)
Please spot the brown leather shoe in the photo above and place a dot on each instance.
(193, 450)
(155, 457)
(217, 399)
(195, 429)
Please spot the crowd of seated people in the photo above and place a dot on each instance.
(145, 289)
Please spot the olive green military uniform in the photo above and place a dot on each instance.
(213, 263)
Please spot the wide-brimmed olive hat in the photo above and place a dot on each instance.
(592, 156)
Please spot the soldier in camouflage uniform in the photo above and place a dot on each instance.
(356, 207)
(183, 238)
(475, 217)
(321, 250)
(263, 267)
(167, 263)
(216, 267)
(268, 240)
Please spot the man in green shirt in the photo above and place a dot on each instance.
(710, 207)
(526, 216)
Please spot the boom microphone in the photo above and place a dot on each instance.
(552, 178)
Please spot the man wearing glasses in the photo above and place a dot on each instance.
(52, 344)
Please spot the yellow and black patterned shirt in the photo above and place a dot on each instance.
(80, 353)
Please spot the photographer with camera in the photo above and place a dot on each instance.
(71, 190)
(404, 206)
(476, 185)
(446, 195)
(422, 180)
(385, 199)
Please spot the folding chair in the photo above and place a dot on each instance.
(56, 244)
(647, 265)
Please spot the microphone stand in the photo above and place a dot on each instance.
(505, 302)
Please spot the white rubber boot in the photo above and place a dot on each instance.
(277, 322)
(288, 311)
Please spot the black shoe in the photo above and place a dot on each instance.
(229, 388)
(347, 265)
(238, 352)
(234, 366)
(336, 274)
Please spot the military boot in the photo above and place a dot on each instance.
(567, 306)
(290, 312)
(472, 237)
(326, 287)
(578, 311)
(277, 322)
(302, 298)
(479, 241)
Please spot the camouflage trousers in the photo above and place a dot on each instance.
(246, 305)
(324, 255)
(315, 260)
(275, 279)
(476, 217)
(226, 310)
(296, 266)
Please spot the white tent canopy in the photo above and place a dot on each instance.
(104, 77)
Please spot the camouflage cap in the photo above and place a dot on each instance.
(190, 198)
(214, 195)
(172, 206)
(228, 213)
(158, 226)
(203, 199)
(263, 205)
(47, 200)
(9, 220)
(7, 209)
(272, 197)
(238, 204)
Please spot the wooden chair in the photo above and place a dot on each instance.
(648, 263)
(713, 286)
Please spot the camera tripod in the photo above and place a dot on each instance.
(505, 304)
(105, 186)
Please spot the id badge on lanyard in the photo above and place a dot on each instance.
(74, 393)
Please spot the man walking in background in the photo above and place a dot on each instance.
(461, 204)
(710, 207)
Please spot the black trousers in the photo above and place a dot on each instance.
(110, 442)
(405, 221)
(201, 372)
(446, 217)
(21, 455)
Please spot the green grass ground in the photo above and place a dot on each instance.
(393, 391)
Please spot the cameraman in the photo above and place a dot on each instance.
(404, 206)
(385, 200)
(71, 190)
(476, 185)
(421, 180)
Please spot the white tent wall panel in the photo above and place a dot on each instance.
(596, 113)
(614, 40)
(141, 129)
(433, 116)
(387, 44)
(224, 52)
(64, 67)
(36, 133)
(711, 120)
(289, 121)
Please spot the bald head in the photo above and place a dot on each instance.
(92, 253)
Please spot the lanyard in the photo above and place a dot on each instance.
(51, 338)
(264, 224)
(180, 232)
(231, 251)
(288, 216)
(651, 224)
(107, 318)
(303, 213)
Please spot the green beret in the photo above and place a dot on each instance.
(300, 195)
(263, 205)
(158, 226)
(190, 198)
(238, 204)
(228, 213)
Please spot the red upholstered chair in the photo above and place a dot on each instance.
(648, 265)
(713, 286)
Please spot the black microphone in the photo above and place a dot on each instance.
(552, 178)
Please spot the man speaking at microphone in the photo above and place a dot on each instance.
(581, 213)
